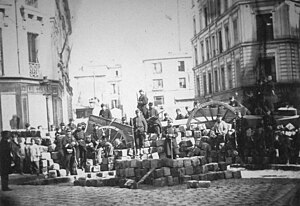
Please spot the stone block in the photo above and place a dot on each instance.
(45, 155)
(52, 173)
(170, 181)
(82, 182)
(118, 164)
(127, 163)
(192, 184)
(204, 184)
(187, 162)
(96, 168)
(249, 160)
(145, 150)
(61, 173)
(121, 173)
(176, 180)
(50, 162)
(204, 169)
(179, 162)
(189, 170)
(166, 171)
(181, 171)
(55, 166)
(162, 155)
(198, 169)
(195, 177)
(146, 164)
(110, 160)
(133, 163)
(111, 173)
(236, 174)
(103, 167)
(155, 155)
(147, 144)
(197, 134)
(212, 166)
(203, 153)
(76, 183)
(195, 161)
(152, 149)
(80, 172)
(44, 163)
(222, 166)
(156, 163)
(55, 155)
(160, 142)
(220, 175)
(100, 183)
(90, 162)
(211, 176)
(129, 172)
(185, 178)
(188, 133)
(228, 174)
(228, 160)
(159, 182)
(202, 160)
(158, 173)
(202, 177)
(110, 167)
(175, 172)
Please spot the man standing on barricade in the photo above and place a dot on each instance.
(154, 125)
(79, 135)
(220, 128)
(269, 126)
(105, 112)
(140, 127)
(171, 146)
(68, 142)
(240, 124)
(142, 103)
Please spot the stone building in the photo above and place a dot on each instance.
(240, 46)
(34, 74)
(169, 82)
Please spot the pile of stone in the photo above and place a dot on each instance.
(169, 172)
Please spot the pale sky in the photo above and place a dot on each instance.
(125, 32)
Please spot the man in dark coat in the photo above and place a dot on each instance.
(5, 159)
(140, 127)
(69, 143)
(105, 112)
(170, 146)
(154, 124)
(142, 103)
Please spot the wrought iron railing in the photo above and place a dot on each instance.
(34, 69)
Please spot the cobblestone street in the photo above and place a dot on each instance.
(222, 192)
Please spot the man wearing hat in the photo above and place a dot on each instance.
(105, 112)
(142, 103)
(220, 128)
(170, 145)
(140, 127)
(68, 142)
(5, 159)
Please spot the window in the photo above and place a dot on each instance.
(235, 31)
(157, 68)
(157, 84)
(229, 76)
(205, 16)
(114, 103)
(32, 47)
(216, 81)
(1, 54)
(209, 83)
(225, 5)
(227, 37)
(202, 51)
(117, 73)
(264, 27)
(181, 67)
(193, 3)
(213, 43)
(114, 90)
(223, 87)
(158, 100)
(268, 67)
(182, 82)
(194, 25)
(207, 48)
(198, 84)
(200, 19)
(218, 7)
(204, 84)
(196, 54)
(33, 3)
(237, 69)
(220, 41)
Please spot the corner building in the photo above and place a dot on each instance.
(236, 43)
(34, 55)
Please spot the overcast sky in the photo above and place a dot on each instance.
(126, 32)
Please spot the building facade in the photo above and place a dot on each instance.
(34, 75)
(169, 82)
(238, 44)
(99, 82)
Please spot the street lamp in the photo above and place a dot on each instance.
(45, 82)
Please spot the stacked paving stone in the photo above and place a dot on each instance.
(169, 172)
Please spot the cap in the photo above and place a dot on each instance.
(27, 125)
(170, 120)
(150, 103)
(68, 130)
(137, 111)
(141, 90)
(102, 105)
(62, 124)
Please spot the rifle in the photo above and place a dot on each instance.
(154, 115)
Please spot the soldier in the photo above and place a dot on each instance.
(5, 159)
(142, 102)
(105, 112)
(140, 127)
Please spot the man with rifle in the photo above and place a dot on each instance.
(154, 125)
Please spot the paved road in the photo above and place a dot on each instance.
(222, 192)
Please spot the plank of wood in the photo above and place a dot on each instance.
(146, 175)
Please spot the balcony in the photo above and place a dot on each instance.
(33, 3)
(34, 69)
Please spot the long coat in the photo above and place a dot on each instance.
(5, 157)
